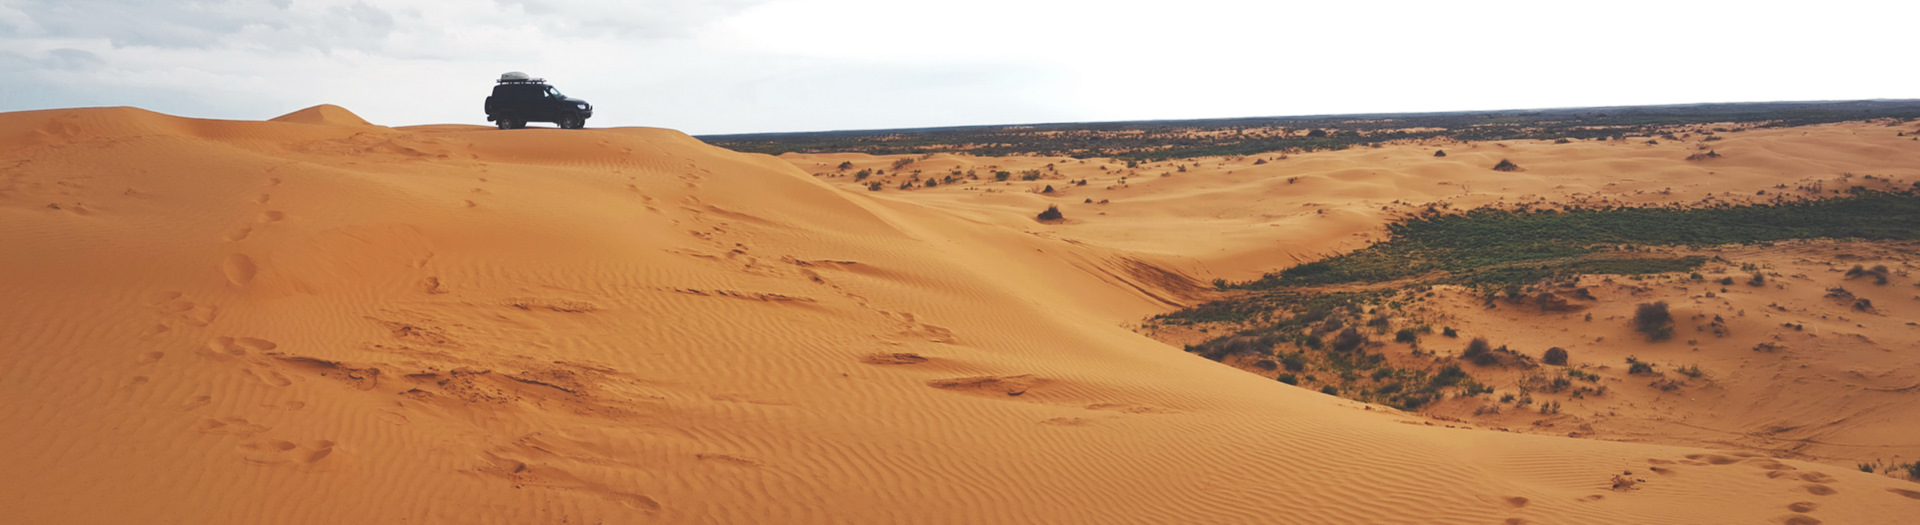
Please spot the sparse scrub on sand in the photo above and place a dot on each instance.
(1555, 356)
(1878, 273)
(1481, 353)
(1289, 329)
(1639, 368)
(1506, 165)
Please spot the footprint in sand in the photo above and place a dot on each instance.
(270, 377)
(237, 426)
(281, 452)
(238, 234)
(1799, 519)
(151, 357)
(1802, 506)
(258, 345)
(174, 307)
(196, 402)
(156, 330)
(239, 269)
(1817, 477)
(288, 406)
(223, 345)
(321, 449)
(262, 198)
(1819, 490)
(269, 216)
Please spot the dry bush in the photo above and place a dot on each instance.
(1052, 214)
(1506, 165)
(1348, 340)
(1555, 356)
(1654, 320)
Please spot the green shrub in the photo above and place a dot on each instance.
(1406, 335)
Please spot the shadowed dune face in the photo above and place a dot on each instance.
(316, 321)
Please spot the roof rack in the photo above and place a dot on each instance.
(516, 77)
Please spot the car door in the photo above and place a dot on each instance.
(552, 103)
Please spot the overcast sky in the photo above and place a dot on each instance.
(734, 66)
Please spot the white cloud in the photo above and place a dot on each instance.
(780, 65)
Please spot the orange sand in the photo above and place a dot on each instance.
(317, 321)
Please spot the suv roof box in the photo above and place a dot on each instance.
(515, 77)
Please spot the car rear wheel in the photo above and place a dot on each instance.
(571, 121)
(511, 123)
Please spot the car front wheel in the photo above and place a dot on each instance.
(571, 121)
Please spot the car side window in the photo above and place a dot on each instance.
(554, 93)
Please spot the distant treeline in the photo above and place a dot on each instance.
(1170, 139)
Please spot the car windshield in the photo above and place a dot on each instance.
(555, 93)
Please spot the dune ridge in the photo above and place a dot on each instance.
(277, 322)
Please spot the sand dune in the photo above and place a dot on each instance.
(315, 321)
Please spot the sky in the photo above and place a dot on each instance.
(743, 66)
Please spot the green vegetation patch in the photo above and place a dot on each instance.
(1489, 246)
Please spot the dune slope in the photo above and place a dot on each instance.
(281, 322)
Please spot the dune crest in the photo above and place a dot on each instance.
(327, 114)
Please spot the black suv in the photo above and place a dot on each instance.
(518, 99)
